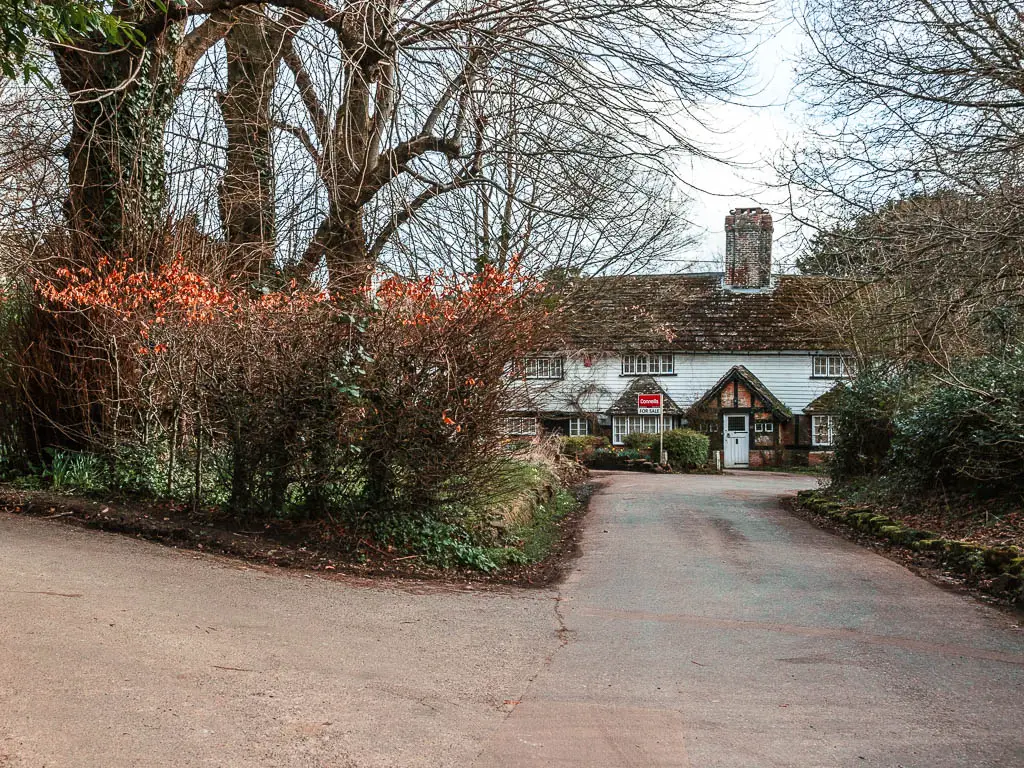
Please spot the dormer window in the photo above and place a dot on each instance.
(544, 367)
(649, 365)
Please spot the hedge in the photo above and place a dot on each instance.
(582, 447)
(927, 429)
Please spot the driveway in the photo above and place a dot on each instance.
(702, 626)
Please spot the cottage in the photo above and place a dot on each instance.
(734, 354)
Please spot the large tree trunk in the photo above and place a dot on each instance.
(247, 191)
(340, 242)
(121, 102)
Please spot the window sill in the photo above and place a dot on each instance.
(638, 375)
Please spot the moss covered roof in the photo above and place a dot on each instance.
(625, 404)
(694, 313)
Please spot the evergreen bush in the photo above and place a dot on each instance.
(581, 448)
(866, 409)
(967, 432)
(686, 448)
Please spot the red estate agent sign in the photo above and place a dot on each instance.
(648, 405)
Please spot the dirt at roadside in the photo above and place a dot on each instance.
(323, 546)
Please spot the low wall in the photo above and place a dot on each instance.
(1001, 567)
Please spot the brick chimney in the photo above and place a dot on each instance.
(748, 248)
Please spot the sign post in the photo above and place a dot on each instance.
(651, 405)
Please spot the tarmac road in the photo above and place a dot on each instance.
(702, 626)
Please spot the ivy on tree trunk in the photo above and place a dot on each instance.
(121, 102)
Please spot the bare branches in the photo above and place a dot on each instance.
(197, 42)
(912, 95)
(598, 82)
(402, 130)
(917, 149)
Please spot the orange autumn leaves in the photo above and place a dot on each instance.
(463, 329)
(455, 336)
(171, 293)
(440, 298)
(126, 292)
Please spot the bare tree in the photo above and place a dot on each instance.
(31, 172)
(912, 95)
(559, 199)
(402, 104)
(912, 163)
(405, 104)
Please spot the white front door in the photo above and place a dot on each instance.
(736, 436)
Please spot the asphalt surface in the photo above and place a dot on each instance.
(702, 626)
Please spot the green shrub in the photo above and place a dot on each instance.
(686, 448)
(581, 448)
(444, 545)
(139, 469)
(532, 541)
(866, 410)
(640, 441)
(629, 453)
(921, 428)
(966, 434)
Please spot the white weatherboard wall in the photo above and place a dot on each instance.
(788, 375)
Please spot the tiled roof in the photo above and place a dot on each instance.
(625, 404)
(750, 381)
(826, 403)
(694, 313)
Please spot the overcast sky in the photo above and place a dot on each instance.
(749, 135)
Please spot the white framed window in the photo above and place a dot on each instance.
(544, 367)
(736, 424)
(521, 425)
(764, 426)
(654, 365)
(579, 427)
(627, 425)
(831, 366)
(823, 430)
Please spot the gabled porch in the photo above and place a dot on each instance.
(743, 419)
(626, 420)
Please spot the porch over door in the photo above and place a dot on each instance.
(736, 439)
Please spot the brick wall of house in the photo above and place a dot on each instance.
(748, 248)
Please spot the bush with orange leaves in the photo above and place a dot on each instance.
(380, 407)
(255, 393)
(436, 386)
